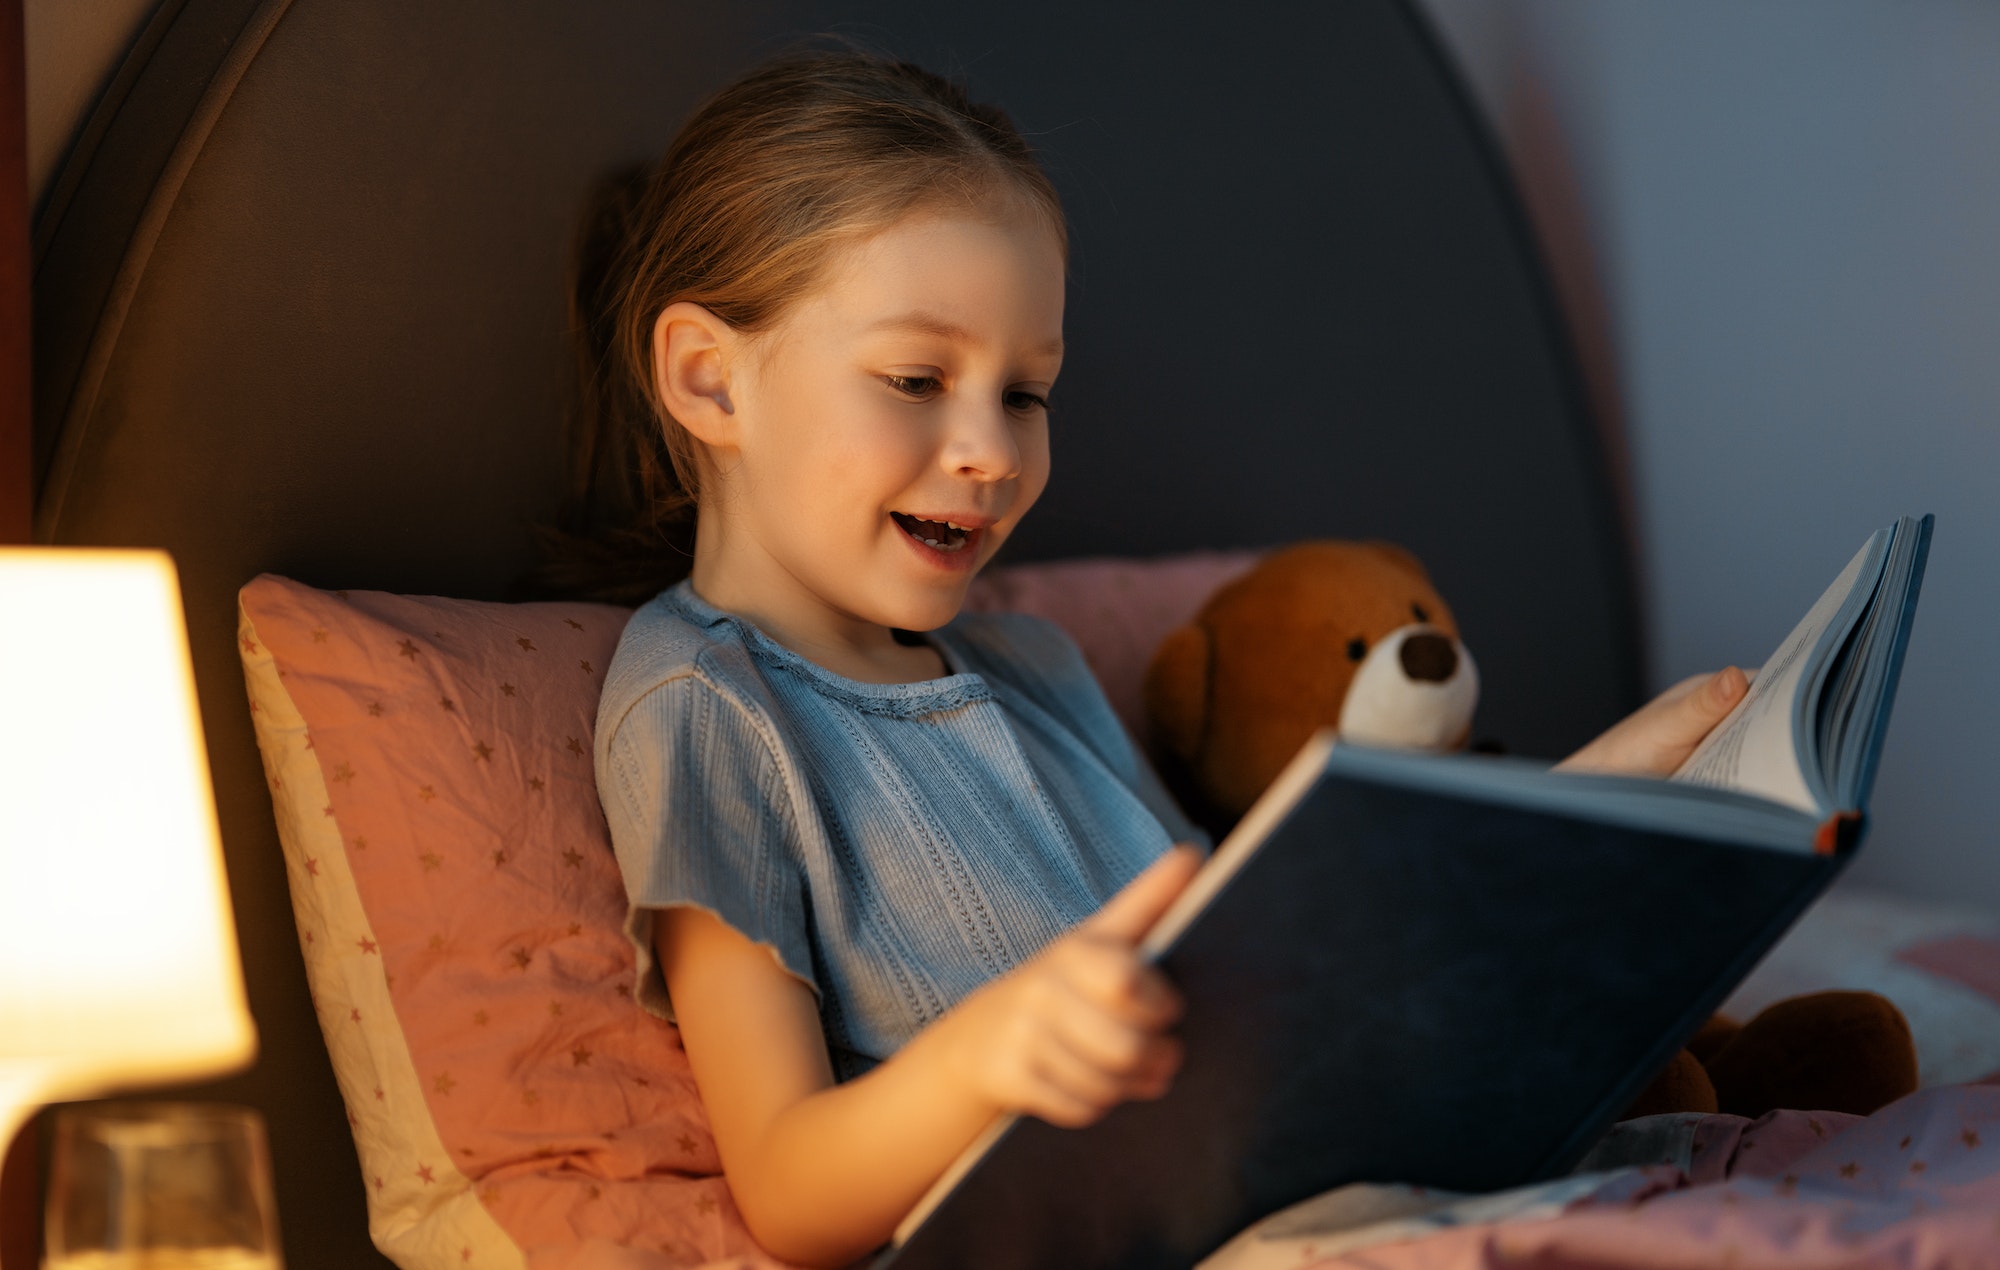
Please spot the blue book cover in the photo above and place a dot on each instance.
(1453, 972)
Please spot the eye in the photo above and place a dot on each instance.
(1357, 649)
(1418, 611)
(919, 387)
(1022, 400)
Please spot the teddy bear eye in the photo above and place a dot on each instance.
(1418, 609)
(1357, 649)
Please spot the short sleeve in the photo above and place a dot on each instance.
(701, 813)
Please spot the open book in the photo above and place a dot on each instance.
(1808, 733)
(1450, 971)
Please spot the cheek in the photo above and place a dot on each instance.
(1035, 464)
(858, 458)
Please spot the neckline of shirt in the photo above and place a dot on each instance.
(955, 686)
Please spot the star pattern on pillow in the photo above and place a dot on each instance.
(507, 985)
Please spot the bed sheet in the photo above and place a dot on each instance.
(1916, 1186)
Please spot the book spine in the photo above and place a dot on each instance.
(1838, 833)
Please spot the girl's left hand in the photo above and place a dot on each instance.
(1657, 738)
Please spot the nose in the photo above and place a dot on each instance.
(1428, 656)
(981, 445)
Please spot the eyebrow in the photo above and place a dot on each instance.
(931, 324)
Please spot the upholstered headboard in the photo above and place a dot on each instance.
(299, 308)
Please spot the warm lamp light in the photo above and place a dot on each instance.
(118, 961)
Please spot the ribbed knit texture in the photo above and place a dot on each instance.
(896, 845)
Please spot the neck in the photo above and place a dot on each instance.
(753, 586)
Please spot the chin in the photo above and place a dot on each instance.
(927, 614)
(930, 596)
(923, 605)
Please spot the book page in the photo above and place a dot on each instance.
(1754, 748)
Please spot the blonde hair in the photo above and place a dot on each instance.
(764, 183)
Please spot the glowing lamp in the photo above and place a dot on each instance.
(118, 961)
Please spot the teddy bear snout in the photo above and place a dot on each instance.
(1422, 700)
(1429, 656)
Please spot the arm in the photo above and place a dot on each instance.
(823, 1172)
(1657, 738)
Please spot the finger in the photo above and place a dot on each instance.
(1727, 688)
(1127, 915)
(1051, 1102)
(1081, 1075)
(1660, 735)
(1156, 1076)
(1706, 691)
(1067, 1113)
(1105, 973)
(1101, 1039)
(1064, 1078)
(1713, 696)
(1691, 717)
(1679, 689)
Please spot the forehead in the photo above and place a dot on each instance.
(992, 276)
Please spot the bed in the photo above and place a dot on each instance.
(298, 311)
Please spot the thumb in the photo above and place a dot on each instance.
(1716, 698)
(1128, 915)
(1694, 715)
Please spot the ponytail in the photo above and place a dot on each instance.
(624, 530)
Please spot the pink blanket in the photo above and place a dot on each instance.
(1915, 1185)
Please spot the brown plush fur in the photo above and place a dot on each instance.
(1683, 1086)
(1831, 1051)
(1719, 1031)
(1233, 695)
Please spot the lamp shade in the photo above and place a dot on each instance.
(118, 960)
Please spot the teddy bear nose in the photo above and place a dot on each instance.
(1428, 656)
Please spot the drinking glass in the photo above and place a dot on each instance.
(161, 1186)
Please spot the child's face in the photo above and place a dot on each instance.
(903, 400)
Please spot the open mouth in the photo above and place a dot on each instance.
(939, 535)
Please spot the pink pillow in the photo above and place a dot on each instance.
(461, 911)
(1117, 611)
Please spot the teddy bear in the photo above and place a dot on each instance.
(1348, 634)
(1354, 636)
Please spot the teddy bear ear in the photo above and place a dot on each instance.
(1399, 554)
(1176, 691)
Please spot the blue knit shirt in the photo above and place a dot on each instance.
(895, 845)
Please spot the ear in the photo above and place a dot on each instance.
(693, 351)
(1176, 691)
(1399, 555)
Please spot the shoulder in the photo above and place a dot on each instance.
(687, 718)
(679, 660)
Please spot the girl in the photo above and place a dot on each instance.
(886, 868)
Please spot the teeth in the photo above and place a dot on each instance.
(954, 538)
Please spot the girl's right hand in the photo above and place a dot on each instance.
(1083, 1026)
